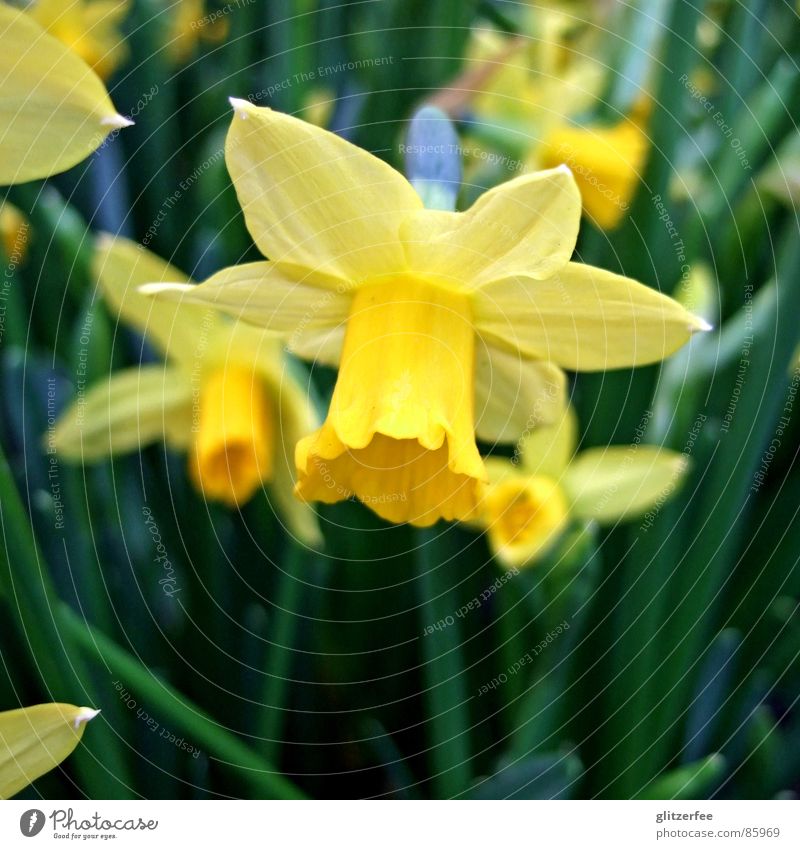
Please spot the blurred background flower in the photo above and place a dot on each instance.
(89, 27)
(532, 496)
(225, 395)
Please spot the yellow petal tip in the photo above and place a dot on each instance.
(116, 122)
(85, 714)
(241, 107)
(700, 324)
(103, 240)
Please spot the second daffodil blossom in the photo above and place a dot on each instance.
(54, 109)
(443, 324)
(531, 499)
(225, 395)
(533, 87)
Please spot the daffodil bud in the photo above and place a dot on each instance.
(433, 158)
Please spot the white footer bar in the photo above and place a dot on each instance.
(386, 824)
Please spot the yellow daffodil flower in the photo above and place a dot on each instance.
(532, 497)
(54, 109)
(14, 231)
(443, 324)
(534, 86)
(36, 739)
(88, 27)
(225, 395)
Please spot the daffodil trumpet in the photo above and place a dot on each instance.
(534, 496)
(445, 325)
(226, 395)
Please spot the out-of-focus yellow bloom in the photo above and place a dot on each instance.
(54, 109)
(225, 395)
(14, 231)
(36, 739)
(607, 163)
(534, 86)
(88, 27)
(189, 23)
(443, 324)
(531, 80)
(531, 499)
(318, 106)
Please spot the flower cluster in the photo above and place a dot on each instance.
(446, 327)
(451, 330)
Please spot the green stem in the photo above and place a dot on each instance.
(173, 706)
(443, 671)
(280, 656)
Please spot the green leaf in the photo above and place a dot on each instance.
(25, 582)
(694, 781)
(284, 631)
(711, 693)
(551, 776)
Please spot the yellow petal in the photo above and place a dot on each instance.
(500, 469)
(235, 440)
(400, 429)
(313, 199)
(36, 739)
(124, 413)
(584, 319)
(548, 450)
(284, 299)
(120, 266)
(613, 483)
(524, 516)
(297, 420)
(322, 347)
(298, 517)
(607, 163)
(54, 111)
(528, 225)
(513, 395)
